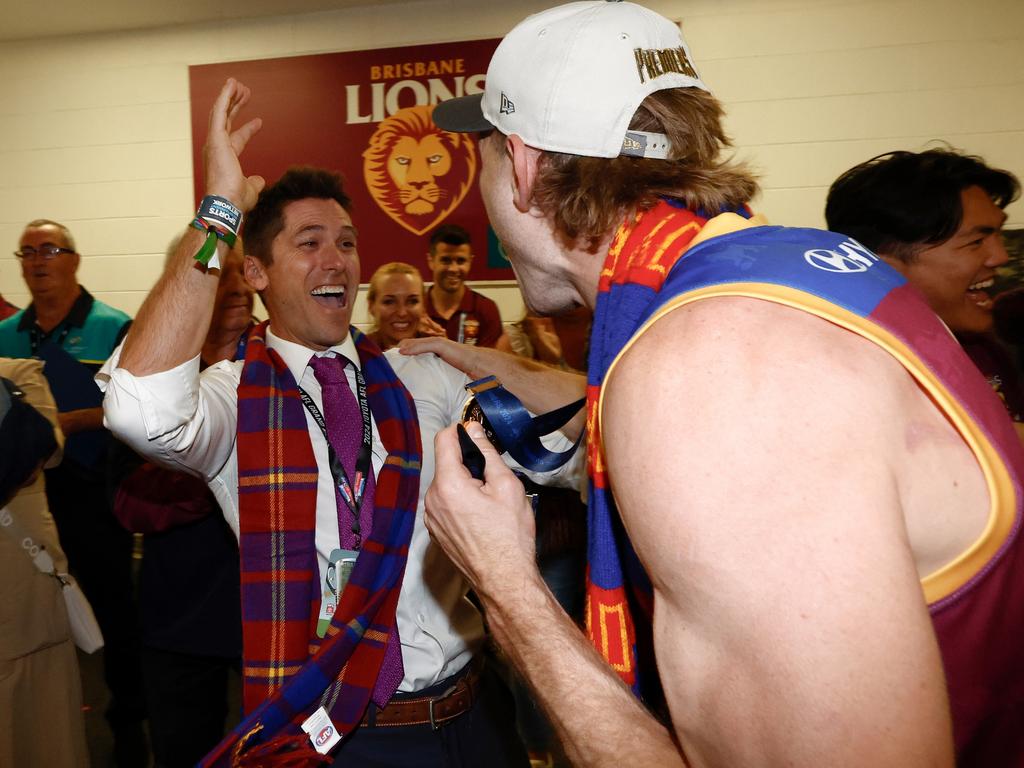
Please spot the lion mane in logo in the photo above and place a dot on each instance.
(416, 172)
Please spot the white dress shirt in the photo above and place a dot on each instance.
(188, 421)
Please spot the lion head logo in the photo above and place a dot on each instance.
(416, 172)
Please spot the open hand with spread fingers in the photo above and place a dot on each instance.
(224, 145)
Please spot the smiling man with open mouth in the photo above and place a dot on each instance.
(357, 637)
(937, 218)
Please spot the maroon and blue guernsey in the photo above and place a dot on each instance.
(977, 600)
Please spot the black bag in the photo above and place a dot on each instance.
(26, 440)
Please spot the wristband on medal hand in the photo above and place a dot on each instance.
(221, 220)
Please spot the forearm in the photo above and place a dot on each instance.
(598, 720)
(487, 529)
(81, 420)
(173, 321)
(540, 387)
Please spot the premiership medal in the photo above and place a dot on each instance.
(511, 428)
(472, 411)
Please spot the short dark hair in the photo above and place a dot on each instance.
(449, 234)
(900, 203)
(265, 220)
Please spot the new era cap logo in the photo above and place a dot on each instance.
(631, 145)
(507, 107)
(851, 257)
(645, 144)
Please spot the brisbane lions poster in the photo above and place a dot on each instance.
(367, 116)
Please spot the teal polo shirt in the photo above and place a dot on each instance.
(89, 333)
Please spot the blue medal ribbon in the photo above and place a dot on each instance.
(517, 432)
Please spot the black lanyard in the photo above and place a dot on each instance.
(354, 500)
(37, 338)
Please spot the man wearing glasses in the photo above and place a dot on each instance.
(62, 312)
(74, 334)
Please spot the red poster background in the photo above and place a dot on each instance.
(310, 117)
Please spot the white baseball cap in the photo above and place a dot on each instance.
(570, 78)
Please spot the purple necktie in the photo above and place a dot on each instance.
(345, 434)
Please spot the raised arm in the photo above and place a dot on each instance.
(173, 321)
(540, 387)
(750, 450)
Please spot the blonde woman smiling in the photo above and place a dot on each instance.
(395, 301)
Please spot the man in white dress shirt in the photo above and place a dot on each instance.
(302, 258)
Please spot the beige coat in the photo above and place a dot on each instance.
(40, 688)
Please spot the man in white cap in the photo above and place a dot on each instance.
(786, 447)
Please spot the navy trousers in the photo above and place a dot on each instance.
(484, 736)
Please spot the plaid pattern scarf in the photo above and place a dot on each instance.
(619, 593)
(288, 671)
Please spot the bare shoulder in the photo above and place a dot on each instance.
(781, 394)
(754, 355)
(728, 397)
(754, 452)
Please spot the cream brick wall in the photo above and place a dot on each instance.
(94, 130)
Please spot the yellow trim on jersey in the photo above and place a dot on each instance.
(1002, 511)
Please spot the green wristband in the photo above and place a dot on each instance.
(209, 248)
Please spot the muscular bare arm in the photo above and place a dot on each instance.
(540, 387)
(789, 623)
(749, 457)
(173, 321)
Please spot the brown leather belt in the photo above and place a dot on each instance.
(434, 711)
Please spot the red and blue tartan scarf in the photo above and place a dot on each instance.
(619, 600)
(288, 671)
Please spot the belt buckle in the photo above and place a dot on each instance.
(430, 705)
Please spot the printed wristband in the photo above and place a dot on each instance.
(221, 213)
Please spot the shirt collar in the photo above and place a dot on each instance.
(296, 356)
(466, 304)
(75, 318)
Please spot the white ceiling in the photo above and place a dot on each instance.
(38, 18)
